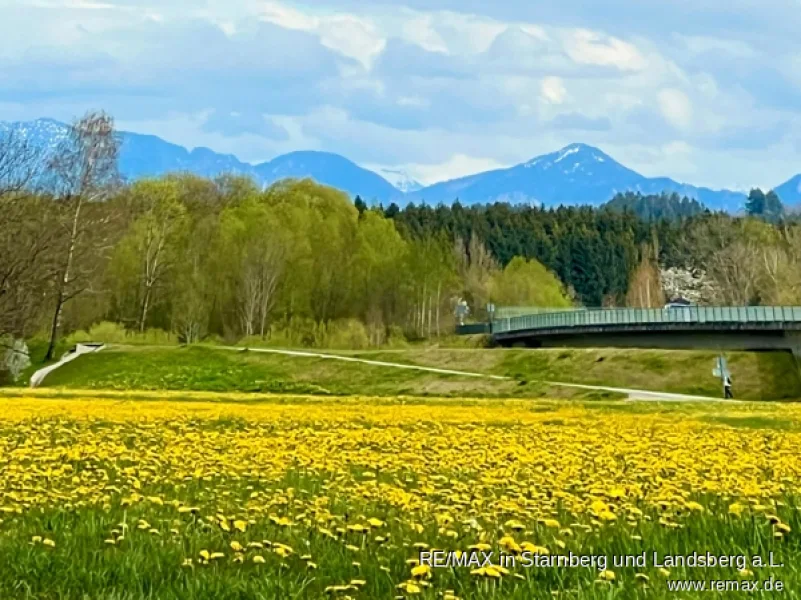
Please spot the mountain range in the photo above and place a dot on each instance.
(576, 174)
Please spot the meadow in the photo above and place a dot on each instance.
(757, 375)
(183, 496)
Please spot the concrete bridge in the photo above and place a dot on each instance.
(713, 327)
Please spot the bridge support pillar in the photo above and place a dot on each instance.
(794, 344)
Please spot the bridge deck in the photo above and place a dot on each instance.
(702, 317)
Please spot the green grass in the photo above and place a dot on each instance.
(148, 566)
(756, 376)
(217, 370)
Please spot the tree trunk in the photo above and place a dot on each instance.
(423, 313)
(64, 281)
(145, 307)
(439, 300)
(428, 329)
(51, 347)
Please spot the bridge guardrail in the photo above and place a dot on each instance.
(506, 312)
(644, 316)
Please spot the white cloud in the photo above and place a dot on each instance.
(348, 34)
(676, 108)
(458, 165)
(698, 44)
(354, 37)
(288, 17)
(413, 82)
(420, 31)
(553, 90)
(465, 33)
(593, 48)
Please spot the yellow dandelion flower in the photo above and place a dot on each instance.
(421, 571)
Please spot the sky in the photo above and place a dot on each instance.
(704, 91)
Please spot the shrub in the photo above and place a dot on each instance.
(396, 338)
(156, 337)
(107, 333)
(78, 337)
(347, 334)
(113, 333)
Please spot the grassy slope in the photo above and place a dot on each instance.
(200, 368)
(756, 375)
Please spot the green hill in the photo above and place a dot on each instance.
(757, 376)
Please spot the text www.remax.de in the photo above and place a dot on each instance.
(721, 585)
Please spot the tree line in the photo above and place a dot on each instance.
(637, 250)
(299, 263)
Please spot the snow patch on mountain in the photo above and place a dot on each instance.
(401, 180)
(565, 152)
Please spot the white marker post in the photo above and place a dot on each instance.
(721, 371)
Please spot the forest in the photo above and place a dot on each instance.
(190, 259)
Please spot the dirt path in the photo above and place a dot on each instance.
(377, 363)
(643, 395)
(635, 395)
(80, 349)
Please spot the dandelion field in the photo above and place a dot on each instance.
(117, 499)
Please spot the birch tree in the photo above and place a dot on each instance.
(645, 286)
(256, 248)
(476, 268)
(148, 252)
(84, 170)
(378, 273)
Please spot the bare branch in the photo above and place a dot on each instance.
(19, 162)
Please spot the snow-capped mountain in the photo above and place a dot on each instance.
(43, 134)
(401, 180)
(576, 174)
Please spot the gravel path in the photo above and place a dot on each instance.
(638, 395)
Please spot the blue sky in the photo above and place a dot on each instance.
(705, 91)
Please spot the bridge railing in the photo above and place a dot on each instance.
(507, 312)
(644, 316)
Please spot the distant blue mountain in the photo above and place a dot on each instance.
(147, 155)
(576, 174)
(329, 169)
(151, 156)
(790, 191)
